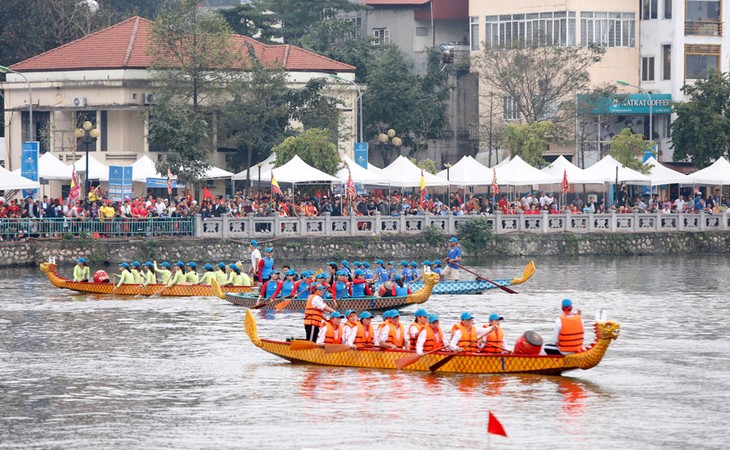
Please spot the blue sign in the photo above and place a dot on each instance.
(159, 183)
(627, 104)
(29, 166)
(120, 182)
(361, 154)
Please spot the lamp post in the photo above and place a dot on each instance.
(4, 69)
(358, 100)
(87, 134)
(259, 186)
(448, 178)
(651, 110)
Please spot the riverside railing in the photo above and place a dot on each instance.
(14, 229)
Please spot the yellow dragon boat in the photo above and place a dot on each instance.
(472, 363)
(178, 290)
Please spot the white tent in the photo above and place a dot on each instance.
(266, 166)
(297, 171)
(9, 180)
(561, 166)
(375, 169)
(518, 173)
(50, 168)
(467, 172)
(716, 174)
(144, 168)
(604, 171)
(97, 171)
(403, 173)
(359, 173)
(214, 173)
(483, 158)
(661, 175)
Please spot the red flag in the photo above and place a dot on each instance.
(424, 189)
(206, 193)
(75, 190)
(169, 181)
(350, 192)
(275, 189)
(565, 184)
(494, 427)
(495, 186)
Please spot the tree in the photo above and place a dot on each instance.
(492, 127)
(248, 20)
(628, 148)
(187, 44)
(528, 141)
(314, 109)
(338, 39)
(428, 165)
(701, 131)
(314, 147)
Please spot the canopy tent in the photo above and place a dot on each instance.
(97, 171)
(483, 158)
(359, 173)
(376, 170)
(604, 171)
(467, 172)
(561, 166)
(144, 168)
(297, 171)
(718, 173)
(403, 173)
(9, 180)
(50, 168)
(661, 174)
(214, 173)
(266, 166)
(518, 173)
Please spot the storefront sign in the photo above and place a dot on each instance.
(627, 104)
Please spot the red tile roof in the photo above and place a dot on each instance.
(125, 46)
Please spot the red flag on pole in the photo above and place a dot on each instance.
(495, 186)
(565, 184)
(169, 181)
(275, 189)
(350, 191)
(75, 190)
(494, 427)
(207, 193)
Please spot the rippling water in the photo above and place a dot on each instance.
(80, 371)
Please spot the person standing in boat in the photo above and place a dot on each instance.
(255, 259)
(494, 340)
(314, 313)
(464, 335)
(431, 337)
(165, 273)
(268, 266)
(452, 269)
(125, 276)
(148, 276)
(331, 330)
(81, 270)
(568, 332)
(208, 275)
(420, 321)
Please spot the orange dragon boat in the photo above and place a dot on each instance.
(473, 363)
(178, 290)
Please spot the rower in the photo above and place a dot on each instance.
(464, 335)
(125, 276)
(331, 272)
(420, 320)
(365, 336)
(392, 334)
(494, 341)
(164, 272)
(314, 313)
(436, 267)
(414, 272)
(234, 278)
(331, 330)
(391, 271)
(178, 276)
(302, 289)
(369, 275)
(191, 276)
(381, 273)
(342, 288)
(220, 275)
(399, 289)
(431, 337)
(148, 276)
(81, 270)
(208, 275)
(360, 287)
(245, 280)
(271, 288)
(287, 287)
(349, 328)
(568, 332)
(426, 268)
(405, 272)
(344, 265)
(135, 272)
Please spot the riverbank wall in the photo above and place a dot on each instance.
(106, 252)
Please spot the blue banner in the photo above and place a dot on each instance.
(29, 166)
(120, 182)
(361, 154)
(626, 104)
(157, 183)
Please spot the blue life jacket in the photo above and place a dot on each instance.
(382, 274)
(390, 272)
(401, 291)
(358, 290)
(438, 270)
(286, 288)
(303, 289)
(340, 290)
(406, 274)
(369, 274)
(271, 287)
(268, 267)
(414, 274)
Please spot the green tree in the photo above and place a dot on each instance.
(628, 148)
(339, 40)
(314, 109)
(249, 20)
(429, 165)
(187, 44)
(701, 132)
(315, 148)
(528, 141)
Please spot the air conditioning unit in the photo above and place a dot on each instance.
(149, 98)
(79, 102)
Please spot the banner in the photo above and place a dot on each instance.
(120, 182)
(160, 183)
(361, 154)
(29, 166)
(626, 104)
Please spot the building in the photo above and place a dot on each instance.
(105, 78)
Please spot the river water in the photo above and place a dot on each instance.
(79, 371)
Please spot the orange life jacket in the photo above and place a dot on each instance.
(413, 340)
(312, 316)
(468, 339)
(495, 341)
(433, 340)
(570, 338)
(332, 334)
(394, 337)
(364, 337)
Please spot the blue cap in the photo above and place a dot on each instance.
(234, 267)
(394, 313)
(180, 264)
(342, 273)
(274, 272)
(398, 277)
(290, 272)
(567, 303)
(433, 318)
(359, 272)
(149, 264)
(453, 239)
(222, 265)
(386, 314)
(380, 261)
(390, 263)
(208, 267)
(125, 265)
(81, 260)
(319, 287)
(366, 264)
(426, 263)
(136, 264)
(254, 243)
(437, 262)
(495, 317)
(268, 250)
(306, 273)
(348, 312)
(165, 264)
(365, 315)
(414, 264)
(345, 263)
(357, 264)
(335, 315)
(420, 312)
(404, 263)
(193, 264)
(321, 275)
(466, 316)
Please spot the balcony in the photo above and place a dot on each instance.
(703, 28)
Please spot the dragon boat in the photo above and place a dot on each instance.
(473, 286)
(471, 363)
(178, 290)
(357, 304)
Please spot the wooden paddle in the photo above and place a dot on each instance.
(436, 366)
(406, 361)
(504, 288)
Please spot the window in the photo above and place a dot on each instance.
(667, 9)
(608, 29)
(356, 23)
(699, 60)
(667, 62)
(647, 68)
(474, 34)
(649, 9)
(104, 143)
(703, 18)
(381, 36)
(422, 31)
(510, 109)
(549, 28)
(548, 108)
(41, 129)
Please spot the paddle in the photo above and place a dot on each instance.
(406, 361)
(300, 344)
(436, 366)
(504, 288)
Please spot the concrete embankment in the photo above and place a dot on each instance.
(112, 251)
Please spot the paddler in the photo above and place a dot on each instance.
(148, 276)
(426, 268)
(420, 321)
(208, 275)
(369, 275)
(393, 333)
(414, 272)
(303, 286)
(431, 337)
(177, 276)
(81, 270)
(234, 277)
(245, 279)
(360, 287)
(135, 270)
(288, 285)
(568, 332)
(436, 267)
(165, 273)
(314, 313)
(191, 276)
(220, 275)
(349, 328)
(364, 336)
(381, 273)
(332, 272)
(345, 265)
(271, 288)
(125, 276)
(464, 335)
(341, 288)
(331, 330)
(391, 271)
(494, 341)
(399, 289)
(405, 272)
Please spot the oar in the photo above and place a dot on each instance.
(436, 366)
(406, 361)
(281, 305)
(504, 288)
(263, 304)
(300, 344)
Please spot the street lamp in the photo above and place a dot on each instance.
(87, 134)
(259, 188)
(651, 115)
(358, 100)
(4, 69)
(448, 178)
